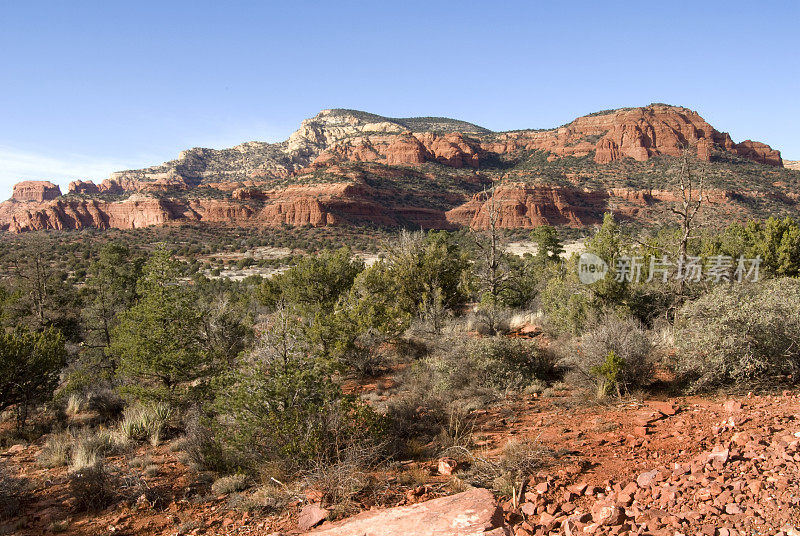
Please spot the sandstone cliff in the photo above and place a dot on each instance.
(350, 167)
(35, 191)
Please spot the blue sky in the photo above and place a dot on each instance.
(88, 88)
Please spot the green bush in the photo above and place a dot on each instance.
(282, 405)
(30, 363)
(565, 300)
(160, 343)
(609, 374)
(741, 335)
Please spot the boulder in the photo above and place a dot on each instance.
(470, 513)
(310, 516)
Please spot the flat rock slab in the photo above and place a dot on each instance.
(471, 513)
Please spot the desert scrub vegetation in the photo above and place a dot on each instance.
(741, 336)
(438, 392)
(13, 491)
(92, 487)
(615, 354)
(282, 404)
(507, 474)
(490, 365)
(230, 484)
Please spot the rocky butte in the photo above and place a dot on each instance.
(35, 191)
(345, 167)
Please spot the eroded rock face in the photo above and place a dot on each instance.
(638, 133)
(525, 206)
(83, 187)
(347, 135)
(471, 513)
(760, 152)
(406, 148)
(35, 191)
(132, 213)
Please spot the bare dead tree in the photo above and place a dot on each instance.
(691, 187)
(491, 274)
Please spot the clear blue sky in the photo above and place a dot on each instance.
(92, 87)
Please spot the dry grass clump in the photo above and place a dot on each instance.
(149, 423)
(80, 449)
(230, 484)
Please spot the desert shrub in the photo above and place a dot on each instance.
(91, 487)
(341, 480)
(416, 415)
(438, 391)
(202, 449)
(366, 357)
(230, 484)
(12, 492)
(490, 318)
(565, 301)
(151, 470)
(457, 430)
(421, 275)
(508, 472)
(75, 404)
(496, 364)
(273, 496)
(30, 363)
(740, 335)
(80, 449)
(140, 462)
(282, 404)
(609, 374)
(106, 402)
(615, 353)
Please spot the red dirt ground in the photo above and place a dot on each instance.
(605, 447)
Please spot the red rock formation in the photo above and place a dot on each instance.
(35, 191)
(315, 205)
(327, 204)
(83, 187)
(246, 193)
(760, 152)
(320, 150)
(525, 206)
(638, 133)
(405, 148)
